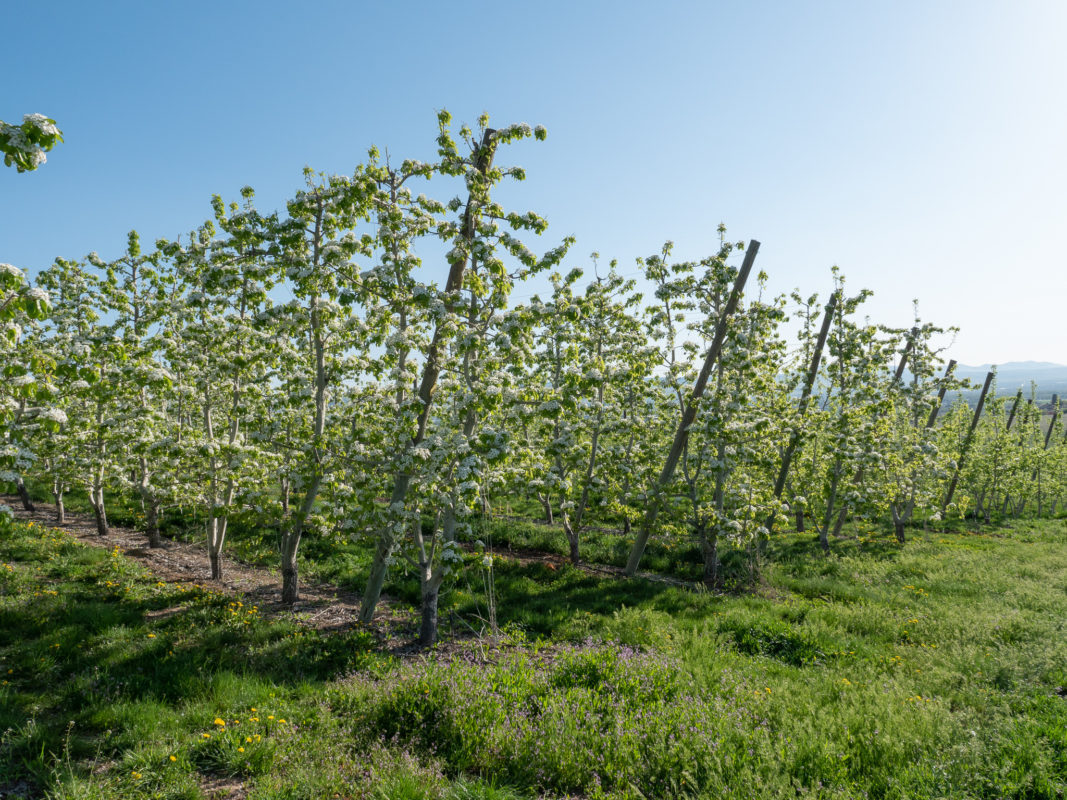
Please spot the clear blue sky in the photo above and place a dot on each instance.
(920, 146)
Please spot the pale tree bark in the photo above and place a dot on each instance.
(681, 436)
(58, 490)
(292, 534)
(430, 372)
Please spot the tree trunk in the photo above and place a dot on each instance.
(290, 578)
(151, 511)
(290, 544)
(547, 505)
(801, 528)
(572, 538)
(99, 512)
(840, 522)
(709, 546)
(216, 535)
(376, 580)
(428, 629)
(824, 529)
(898, 529)
(61, 512)
(24, 495)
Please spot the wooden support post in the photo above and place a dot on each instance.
(941, 394)
(681, 435)
(967, 442)
(805, 399)
(1048, 437)
(857, 479)
(1014, 408)
(1022, 436)
(1054, 420)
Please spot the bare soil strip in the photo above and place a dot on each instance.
(320, 606)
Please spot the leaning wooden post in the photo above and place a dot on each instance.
(941, 395)
(681, 435)
(967, 442)
(1048, 437)
(1014, 408)
(1011, 419)
(805, 398)
(1054, 420)
(904, 357)
(900, 519)
(857, 479)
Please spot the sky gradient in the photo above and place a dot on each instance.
(920, 148)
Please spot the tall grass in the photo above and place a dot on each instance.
(932, 670)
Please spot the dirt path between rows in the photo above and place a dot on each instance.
(320, 606)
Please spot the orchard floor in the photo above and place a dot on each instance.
(186, 563)
(937, 669)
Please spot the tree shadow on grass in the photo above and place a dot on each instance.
(76, 656)
(543, 599)
(804, 550)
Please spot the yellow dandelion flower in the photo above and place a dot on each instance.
(240, 749)
(220, 721)
(173, 758)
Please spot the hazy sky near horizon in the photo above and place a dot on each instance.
(919, 146)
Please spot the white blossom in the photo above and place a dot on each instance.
(55, 415)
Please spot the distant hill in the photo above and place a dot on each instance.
(1014, 375)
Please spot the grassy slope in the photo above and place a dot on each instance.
(929, 670)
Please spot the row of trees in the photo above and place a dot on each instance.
(298, 365)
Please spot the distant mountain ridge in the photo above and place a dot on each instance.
(1050, 378)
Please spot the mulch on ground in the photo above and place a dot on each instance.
(320, 606)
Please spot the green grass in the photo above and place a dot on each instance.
(934, 669)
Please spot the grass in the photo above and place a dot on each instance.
(929, 670)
